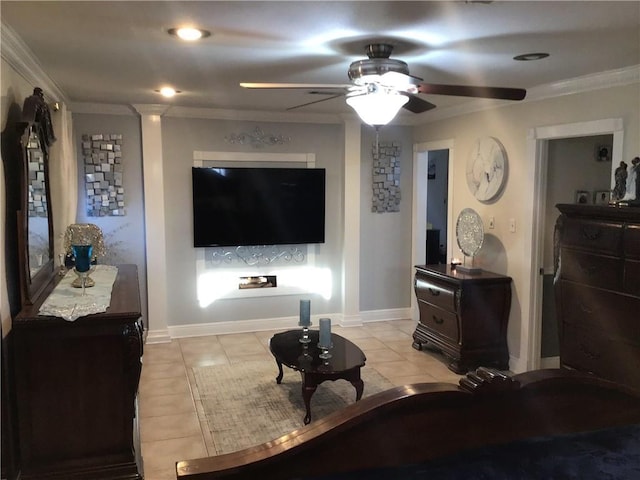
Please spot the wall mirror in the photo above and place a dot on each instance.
(35, 224)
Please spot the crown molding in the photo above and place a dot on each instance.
(587, 83)
(251, 115)
(150, 108)
(102, 108)
(16, 53)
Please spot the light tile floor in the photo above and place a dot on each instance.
(169, 426)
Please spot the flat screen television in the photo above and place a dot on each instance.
(258, 206)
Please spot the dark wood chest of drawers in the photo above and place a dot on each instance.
(597, 287)
(464, 316)
(76, 388)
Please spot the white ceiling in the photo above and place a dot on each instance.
(119, 52)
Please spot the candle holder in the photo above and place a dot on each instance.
(305, 359)
(325, 354)
(305, 339)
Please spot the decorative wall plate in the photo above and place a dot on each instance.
(469, 232)
(487, 169)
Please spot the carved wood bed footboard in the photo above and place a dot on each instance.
(418, 423)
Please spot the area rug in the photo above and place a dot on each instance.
(242, 405)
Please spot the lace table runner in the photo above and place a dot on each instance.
(68, 302)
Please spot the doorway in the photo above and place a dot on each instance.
(436, 208)
(566, 156)
(539, 140)
(422, 153)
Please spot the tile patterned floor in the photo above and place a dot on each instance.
(169, 426)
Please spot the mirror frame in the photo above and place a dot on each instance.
(32, 287)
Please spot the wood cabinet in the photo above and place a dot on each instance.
(464, 316)
(76, 387)
(597, 290)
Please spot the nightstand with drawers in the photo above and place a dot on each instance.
(464, 316)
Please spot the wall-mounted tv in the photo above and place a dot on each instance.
(258, 206)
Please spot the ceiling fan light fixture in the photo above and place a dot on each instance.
(377, 107)
(167, 92)
(189, 34)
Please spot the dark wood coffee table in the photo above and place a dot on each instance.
(345, 362)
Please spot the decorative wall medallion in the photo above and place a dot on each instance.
(257, 138)
(487, 169)
(258, 255)
(470, 237)
(469, 232)
(103, 171)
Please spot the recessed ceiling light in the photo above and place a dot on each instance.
(167, 92)
(189, 34)
(528, 57)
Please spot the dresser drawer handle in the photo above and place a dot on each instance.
(438, 321)
(591, 233)
(433, 292)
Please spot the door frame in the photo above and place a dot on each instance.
(537, 148)
(419, 206)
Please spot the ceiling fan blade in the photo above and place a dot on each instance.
(303, 86)
(417, 104)
(316, 101)
(471, 91)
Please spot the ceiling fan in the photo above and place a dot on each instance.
(381, 85)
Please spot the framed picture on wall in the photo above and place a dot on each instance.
(602, 197)
(603, 153)
(582, 197)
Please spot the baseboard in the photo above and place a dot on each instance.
(386, 315)
(257, 325)
(550, 362)
(517, 365)
(157, 336)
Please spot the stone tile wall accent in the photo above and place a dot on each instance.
(37, 195)
(103, 169)
(386, 177)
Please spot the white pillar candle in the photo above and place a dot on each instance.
(325, 332)
(305, 313)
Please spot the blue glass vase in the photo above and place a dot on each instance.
(82, 255)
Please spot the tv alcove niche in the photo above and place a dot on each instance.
(215, 265)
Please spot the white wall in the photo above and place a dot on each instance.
(124, 236)
(504, 252)
(183, 136)
(385, 242)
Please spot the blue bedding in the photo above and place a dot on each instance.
(600, 455)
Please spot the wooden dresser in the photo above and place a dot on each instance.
(76, 387)
(464, 316)
(597, 290)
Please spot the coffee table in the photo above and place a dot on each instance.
(345, 362)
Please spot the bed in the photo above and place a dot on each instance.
(539, 424)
